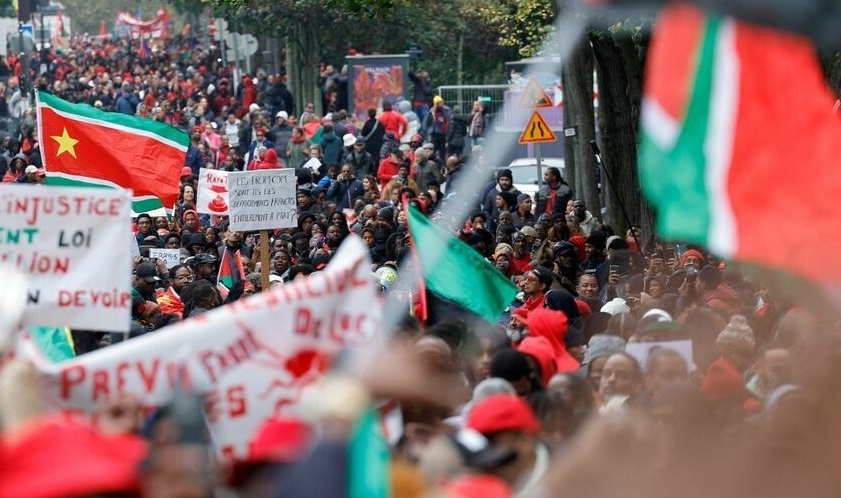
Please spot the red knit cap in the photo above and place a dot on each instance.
(501, 413)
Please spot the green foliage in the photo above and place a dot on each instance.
(522, 24)
(7, 9)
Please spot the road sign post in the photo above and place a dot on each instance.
(537, 130)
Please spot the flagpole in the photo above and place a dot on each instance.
(264, 259)
(423, 312)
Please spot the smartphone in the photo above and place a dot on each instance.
(691, 273)
(670, 254)
(614, 268)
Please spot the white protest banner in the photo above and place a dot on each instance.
(255, 357)
(170, 257)
(72, 245)
(641, 350)
(212, 195)
(263, 199)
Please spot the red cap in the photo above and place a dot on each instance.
(281, 440)
(186, 171)
(500, 413)
(59, 458)
(478, 486)
(583, 308)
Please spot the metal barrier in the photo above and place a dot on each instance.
(463, 96)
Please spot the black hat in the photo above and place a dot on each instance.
(147, 272)
(197, 239)
(320, 260)
(387, 213)
(564, 247)
(562, 300)
(544, 275)
(203, 258)
(597, 240)
(505, 173)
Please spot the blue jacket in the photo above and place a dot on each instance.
(193, 159)
(332, 148)
(343, 192)
(127, 103)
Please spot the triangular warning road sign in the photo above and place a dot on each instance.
(537, 131)
(534, 97)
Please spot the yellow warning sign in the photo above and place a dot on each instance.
(534, 97)
(537, 131)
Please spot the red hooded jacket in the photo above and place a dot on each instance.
(540, 349)
(552, 325)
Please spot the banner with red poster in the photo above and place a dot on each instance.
(374, 79)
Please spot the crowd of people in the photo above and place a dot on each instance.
(553, 399)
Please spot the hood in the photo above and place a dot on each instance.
(404, 106)
(552, 325)
(271, 156)
(540, 349)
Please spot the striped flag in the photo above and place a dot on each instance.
(740, 143)
(230, 271)
(83, 146)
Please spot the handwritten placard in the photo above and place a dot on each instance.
(170, 257)
(262, 200)
(212, 196)
(72, 245)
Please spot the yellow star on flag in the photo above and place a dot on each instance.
(65, 143)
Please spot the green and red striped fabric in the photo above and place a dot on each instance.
(740, 143)
(83, 146)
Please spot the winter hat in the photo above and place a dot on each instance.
(528, 231)
(691, 253)
(737, 335)
(616, 306)
(502, 413)
(253, 107)
(654, 320)
(602, 345)
(437, 100)
(503, 248)
(477, 486)
(505, 173)
(724, 383)
(283, 114)
(348, 140)
(523, 197)
(597, 240)
(579, 242)
(562, 300)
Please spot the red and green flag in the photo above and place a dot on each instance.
(230, 271)
(83, 146)
(740, 143)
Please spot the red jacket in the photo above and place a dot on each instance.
(386, 171)
(395, 122)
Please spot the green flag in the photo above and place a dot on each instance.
(368, 463)
(55, 342)
(456, 272)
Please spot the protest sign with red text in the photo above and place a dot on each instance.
(72, 246)
(254, 357)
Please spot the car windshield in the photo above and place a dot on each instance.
(525, 174)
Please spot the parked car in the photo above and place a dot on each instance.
(524, 172)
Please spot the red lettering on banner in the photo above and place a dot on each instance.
(71, 377)
(211, 406)
(121, 380)
(148, 378)
(303, 317)
(84, 298)
(236, 398)
(215, 363)
(100, 384)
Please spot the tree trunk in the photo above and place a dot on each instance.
(579, 112)
(620, 94)
(302, 67)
